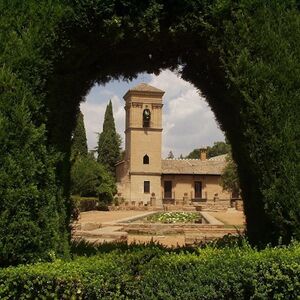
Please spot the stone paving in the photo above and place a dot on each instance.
(229, 217)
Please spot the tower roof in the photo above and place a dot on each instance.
(144, 87)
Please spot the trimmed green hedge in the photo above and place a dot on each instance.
(152, 272)
(243, 55)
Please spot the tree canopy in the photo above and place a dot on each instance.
(218, 148)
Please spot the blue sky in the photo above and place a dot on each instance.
(188, 121)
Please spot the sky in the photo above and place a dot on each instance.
(188, 121)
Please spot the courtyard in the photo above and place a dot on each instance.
(128, 225)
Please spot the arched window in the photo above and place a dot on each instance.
(146, 117)
(146, 160)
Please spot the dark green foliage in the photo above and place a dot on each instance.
(223, 274)
(33, 218)
(109, 143)
(31, 209)
(243, 55)
(90, 203)
(84, 203)
(262, 59)
(79, 143)
(195, 154)
(218, 148)
(229, 179)
(90, 179)
(152, 272)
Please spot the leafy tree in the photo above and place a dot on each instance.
(170, 155)
(218, 148)
(79, 143)
(89, 178)
(195, 154)
(230, 179)
(109, 143)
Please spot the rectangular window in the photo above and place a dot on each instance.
(198, 190)
(146, 187)
(168, 189)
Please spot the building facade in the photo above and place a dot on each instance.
(143, 177)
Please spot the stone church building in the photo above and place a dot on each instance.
(143, 177)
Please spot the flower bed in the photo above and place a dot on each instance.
(175, 217)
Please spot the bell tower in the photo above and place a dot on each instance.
(143, 140)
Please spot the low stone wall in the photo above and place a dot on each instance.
(155, 228)
(218, 205)
(172, 207)
(136, 208)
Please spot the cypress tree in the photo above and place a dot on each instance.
(79, 143)
(170, 155)
(109, 141)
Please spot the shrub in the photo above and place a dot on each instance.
(82, 204)
(91, 179)
(153, 272)
(229, 273)
(85, 203)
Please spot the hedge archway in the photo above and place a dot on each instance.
(243, 55)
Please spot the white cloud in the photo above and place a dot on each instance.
(187, 119)
(94, 116)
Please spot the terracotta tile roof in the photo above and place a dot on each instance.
(144, 87)
(212, 166)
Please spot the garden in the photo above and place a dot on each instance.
(243, 56)
(175, 217)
